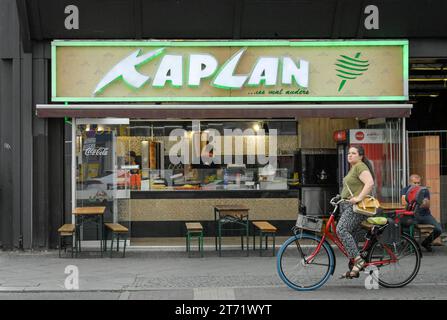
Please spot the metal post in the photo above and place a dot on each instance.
(404, 153)
(114, 178)
(73, 172)
(391, 163)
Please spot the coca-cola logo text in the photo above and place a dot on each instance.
(101, 151)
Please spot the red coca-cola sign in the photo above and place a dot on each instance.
(339, 136)
(359, 135)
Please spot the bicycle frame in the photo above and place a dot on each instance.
(331, 234)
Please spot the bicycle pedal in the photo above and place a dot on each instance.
(347, 276)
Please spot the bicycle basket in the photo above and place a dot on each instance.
(391, 234)
(309, 223)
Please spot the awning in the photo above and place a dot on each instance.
(197, 111)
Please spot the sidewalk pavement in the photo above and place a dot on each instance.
(172, 275)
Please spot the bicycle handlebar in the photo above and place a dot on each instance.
(335, 201)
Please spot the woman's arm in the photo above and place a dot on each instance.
(368, 182)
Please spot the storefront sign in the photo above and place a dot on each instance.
(229, 71)
(367, 136)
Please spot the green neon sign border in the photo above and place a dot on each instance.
(232, 43)
(246, 43)
(227, 99)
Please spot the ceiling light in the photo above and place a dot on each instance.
(432, 95)
(428, 79)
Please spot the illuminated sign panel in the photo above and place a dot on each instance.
(87, 71)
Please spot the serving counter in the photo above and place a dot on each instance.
(163, 213)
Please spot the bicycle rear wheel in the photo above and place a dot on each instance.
(404, 270)
(293, 269)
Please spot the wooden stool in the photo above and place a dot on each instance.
(67, 230)
(423, 230)
(117, 231)
(265, 229)
(194, 229)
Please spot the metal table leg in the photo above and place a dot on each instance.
(215, 227)
(248, 236)
(220, 238)
(274, 236)
(102, 232)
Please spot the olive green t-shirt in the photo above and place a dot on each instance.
(352, 179)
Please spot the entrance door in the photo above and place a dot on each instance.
(101, 170)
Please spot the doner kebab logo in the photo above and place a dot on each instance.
(349, 68)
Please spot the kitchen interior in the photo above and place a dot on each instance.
(306, 158)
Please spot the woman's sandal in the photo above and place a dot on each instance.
(359, 263)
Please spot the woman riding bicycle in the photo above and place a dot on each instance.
(357, 184)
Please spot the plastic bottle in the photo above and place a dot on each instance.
(225, 178)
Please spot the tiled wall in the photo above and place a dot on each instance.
(202, 209)
(425, 160)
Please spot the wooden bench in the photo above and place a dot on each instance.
(423, 230)
(194, 229)
(67, 230)
(266, 229)
(117, 230)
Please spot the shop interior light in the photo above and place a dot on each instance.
(431, 95)
(429, 68)
(428, 79)
(256, 127)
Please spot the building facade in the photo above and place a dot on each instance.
(40, 133)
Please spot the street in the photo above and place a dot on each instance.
(171, 275)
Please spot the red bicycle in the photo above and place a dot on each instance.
(306, 260)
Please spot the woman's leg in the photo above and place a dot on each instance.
(349, 222)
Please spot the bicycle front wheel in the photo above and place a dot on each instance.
(404, 261)
(296, 271)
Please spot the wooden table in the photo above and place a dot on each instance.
(391, 206)
(231, 214)
(83, 214)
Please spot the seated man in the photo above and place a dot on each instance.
(423, 214)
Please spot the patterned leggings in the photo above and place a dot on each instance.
(349, 229)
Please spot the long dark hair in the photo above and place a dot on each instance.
(365, 160)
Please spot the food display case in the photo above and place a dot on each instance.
(230, 178)
(273, 178)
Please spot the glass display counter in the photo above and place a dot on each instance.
(230, 178)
